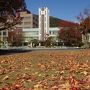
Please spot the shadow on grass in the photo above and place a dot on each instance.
(12, 51)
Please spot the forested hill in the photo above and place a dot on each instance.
(54, 22)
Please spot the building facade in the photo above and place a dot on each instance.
(29, 20)
(33, 33)
(4, 38)
(32, 27)
(43, 23)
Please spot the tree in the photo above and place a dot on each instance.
(70, 36)
(15, 37)
(48, 42)
(9, 12)
(84, 19)
(35, 42)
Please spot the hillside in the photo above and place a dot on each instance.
(54, 21)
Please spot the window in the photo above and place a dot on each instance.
(4, 33)
(0, 33)
(53, 32)
(50, 32)
(27, 23)
(34, 33)
(27, 18)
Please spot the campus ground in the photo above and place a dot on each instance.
(46, 70)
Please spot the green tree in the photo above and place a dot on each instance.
(35, 42)
(48, 42)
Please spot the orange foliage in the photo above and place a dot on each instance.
(46, 70)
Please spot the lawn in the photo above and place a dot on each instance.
(46, 70)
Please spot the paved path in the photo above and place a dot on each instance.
(5, 51)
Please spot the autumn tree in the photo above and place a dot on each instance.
(84, 19)
(15, 37)
(9, 13)
(70, 36)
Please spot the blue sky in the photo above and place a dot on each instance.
(63, 9)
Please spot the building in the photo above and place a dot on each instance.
(33, 33)
(44, 31)
(33, 27)
(30, 34)
(3, 37)
(43, 23)
(29, 20)
(41, 32)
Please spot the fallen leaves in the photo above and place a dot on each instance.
(46, 70)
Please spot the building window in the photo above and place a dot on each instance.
(4, 33)
(54, 32)
(26, 19)
(50, 32)
(27, 23)
(0, 33)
